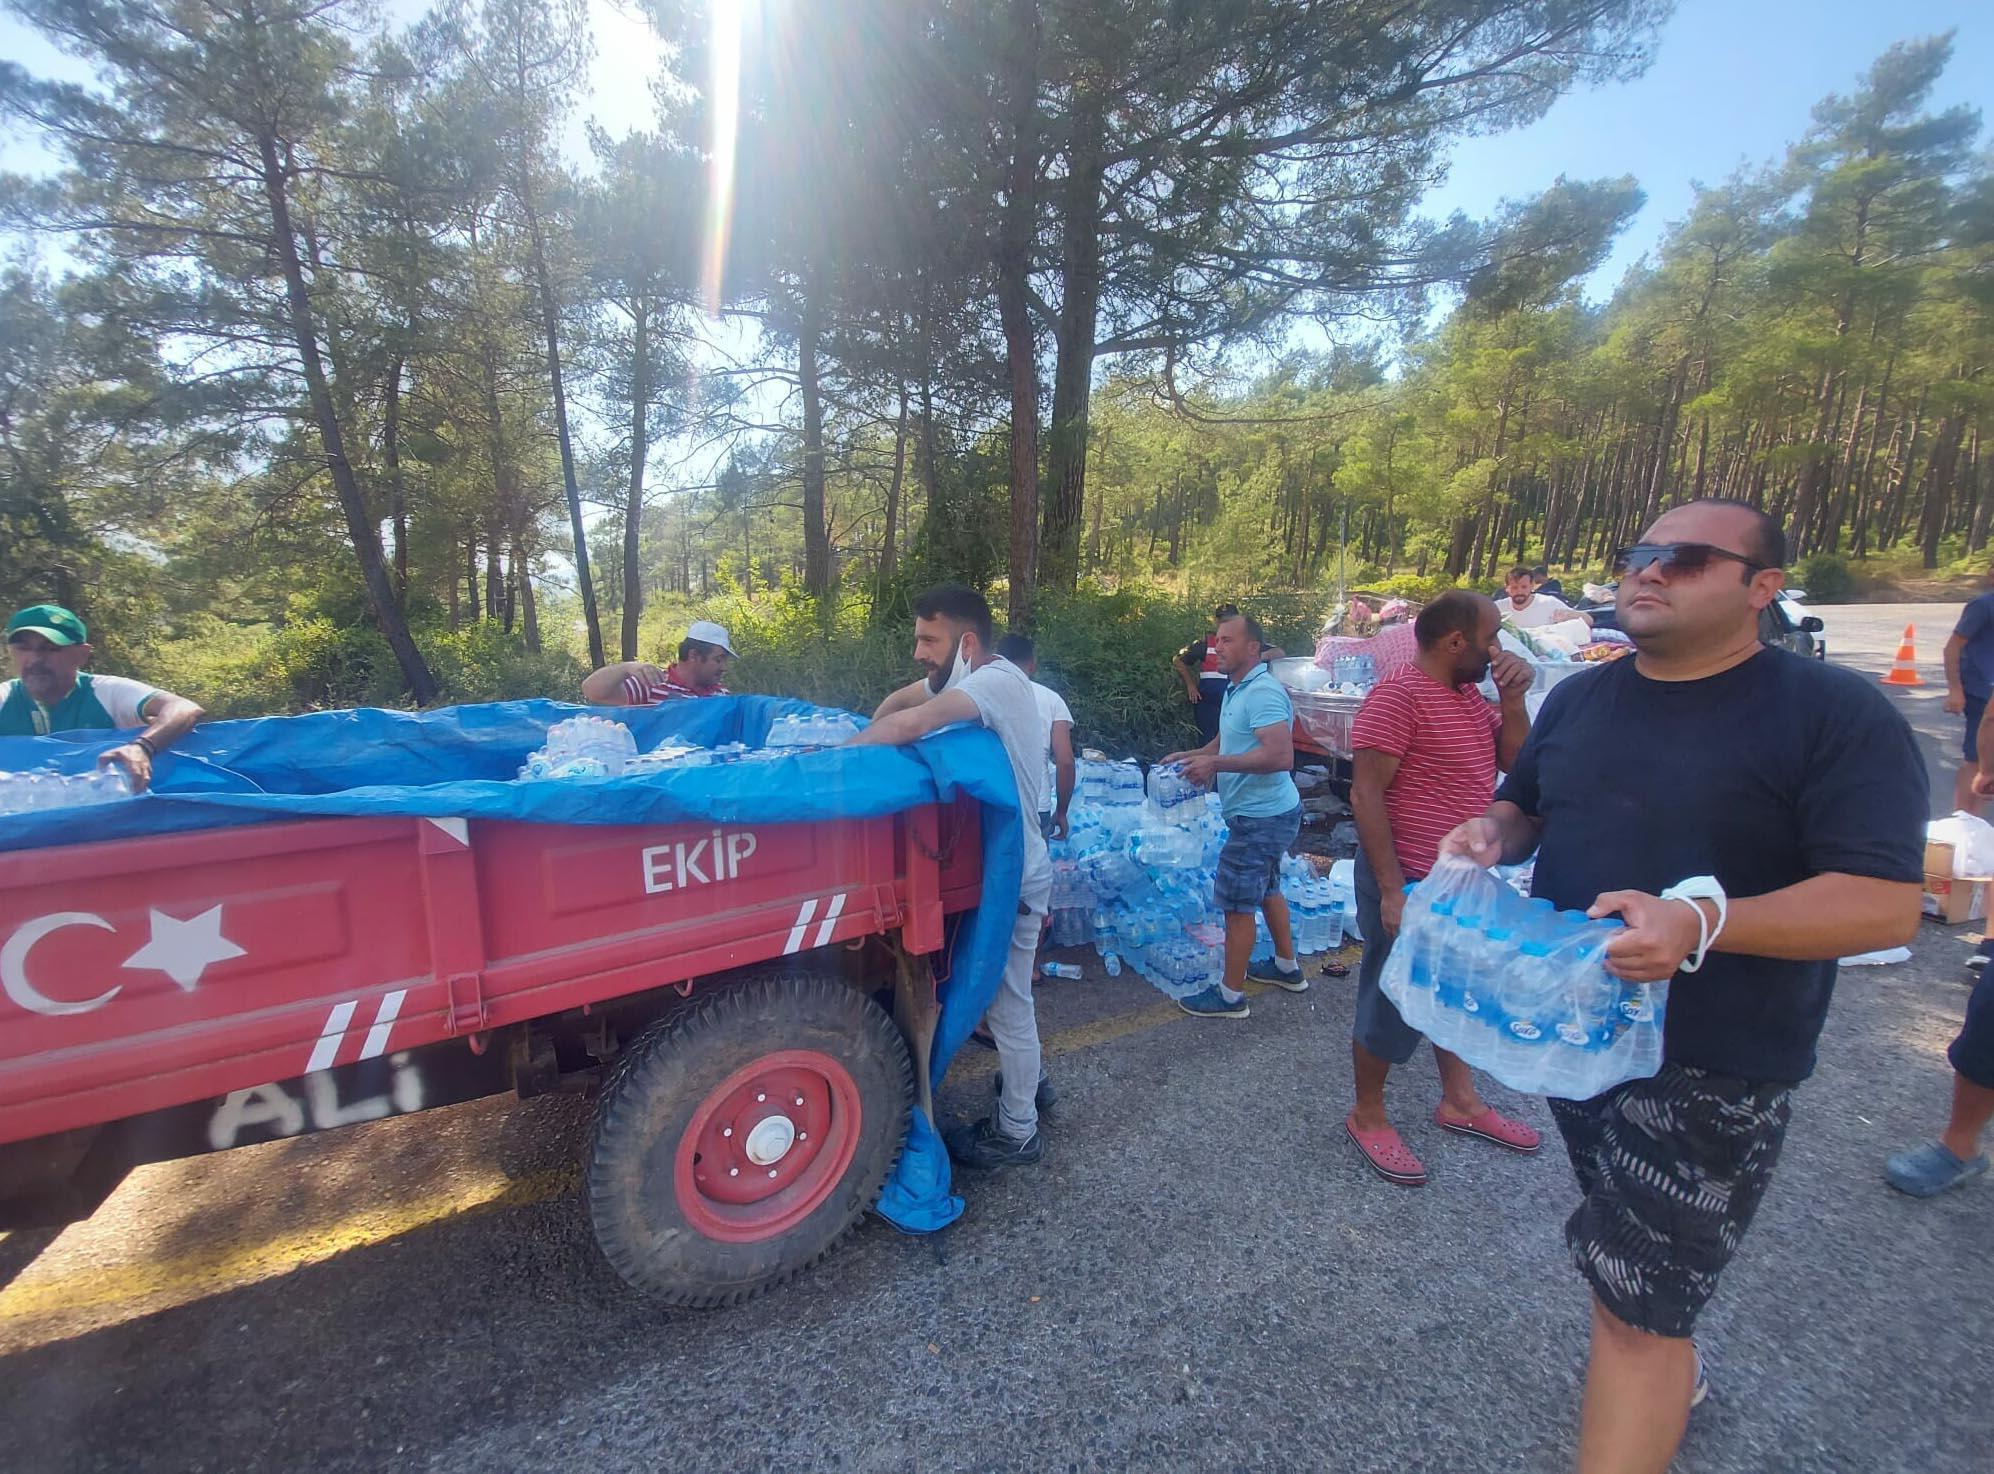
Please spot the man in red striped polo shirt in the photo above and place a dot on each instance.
(699, 670)
(1427, 748)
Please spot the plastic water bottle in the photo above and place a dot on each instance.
(1333, 926)
(1068, 970)
(1104, 941)
(1460, 950)
(1112, 960)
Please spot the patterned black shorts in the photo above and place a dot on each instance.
(1672, 1169)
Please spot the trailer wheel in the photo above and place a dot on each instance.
(737, 1141)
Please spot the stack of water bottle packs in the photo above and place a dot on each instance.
(32, 792)
(1134, 876)
(597, 747)
(1520, 989)
(1353, 675)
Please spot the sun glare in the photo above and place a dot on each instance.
(724, 89)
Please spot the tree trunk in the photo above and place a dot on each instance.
(550, 322)
(1073, 359)
(888, 552)
(360, 527)
(391, 457)
(633, 510)
(1938, 484)
(1014, 264)
(529, 608)
(1983, 502)
(816, 534)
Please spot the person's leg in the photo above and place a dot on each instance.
(1636, 1398)
(1014, 1024)
(1275, 908)
(1678, 1165)
(1379, 1039)
(1207, 714)
(1459, 1099)
(1969, 751)
(1240, 935)
(1273, 838)
(1238, 889)
(1956, 1156)
(1972, 1109)
(1371, 1072)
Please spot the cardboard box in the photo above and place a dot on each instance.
(1950, 898)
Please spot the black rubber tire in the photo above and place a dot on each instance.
(660, 1080)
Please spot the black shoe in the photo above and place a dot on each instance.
(1045, 1098)
(984, 1146)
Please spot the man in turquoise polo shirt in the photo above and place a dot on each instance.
(52, 692)
(1250, 761)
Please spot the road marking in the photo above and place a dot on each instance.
(327, 1048)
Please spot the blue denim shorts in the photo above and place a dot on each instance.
(1250, 864)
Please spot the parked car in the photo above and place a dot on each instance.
(1784, 622)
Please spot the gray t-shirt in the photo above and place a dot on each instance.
(1004, 699)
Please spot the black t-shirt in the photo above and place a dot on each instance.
(1552, 587)
(1764, 775)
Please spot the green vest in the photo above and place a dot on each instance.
(23, 716)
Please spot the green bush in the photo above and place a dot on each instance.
(1409, 586)
(1825, 577)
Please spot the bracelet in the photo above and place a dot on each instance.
(146, 742)
(1689, 892)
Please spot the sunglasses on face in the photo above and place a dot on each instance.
(1669, 559)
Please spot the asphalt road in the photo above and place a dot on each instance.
(1200, 1275)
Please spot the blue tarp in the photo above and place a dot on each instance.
(461, 761)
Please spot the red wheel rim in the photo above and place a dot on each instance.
(767, 1146)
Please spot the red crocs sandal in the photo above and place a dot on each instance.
(1492, 1125)
(1387, 1155)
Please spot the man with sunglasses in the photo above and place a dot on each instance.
(1780, 803)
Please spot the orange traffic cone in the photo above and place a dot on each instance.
(1904, 669)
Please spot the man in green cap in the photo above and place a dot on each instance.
(51, 692)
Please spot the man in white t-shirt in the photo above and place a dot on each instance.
(1529, 610)
(1056, 726)
(968, 681)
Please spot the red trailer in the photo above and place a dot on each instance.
(754, 1002)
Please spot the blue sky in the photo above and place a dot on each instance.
(1733, 82)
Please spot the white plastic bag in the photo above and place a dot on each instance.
(1972, 841)
(1519, 989)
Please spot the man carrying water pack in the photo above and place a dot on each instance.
(1798, 789)
(968, 681)
(1427, 747)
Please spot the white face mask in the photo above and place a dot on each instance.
(956, 673)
